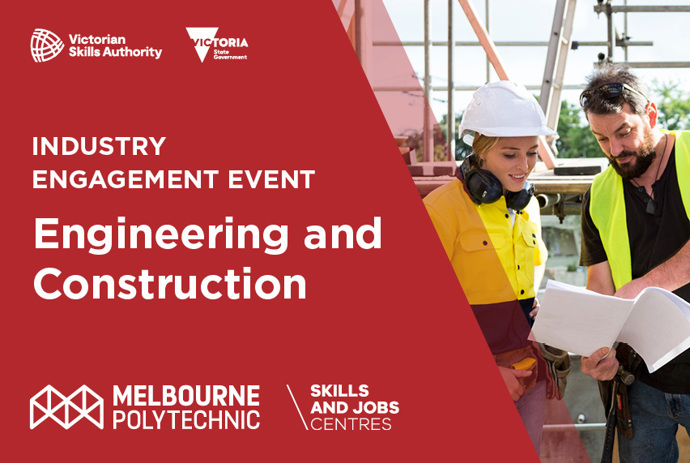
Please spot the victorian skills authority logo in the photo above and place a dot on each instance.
(204, 39)
(66, 411)
(45, 45)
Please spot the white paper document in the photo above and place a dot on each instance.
(656, 323)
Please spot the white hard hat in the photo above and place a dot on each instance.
(504, 109)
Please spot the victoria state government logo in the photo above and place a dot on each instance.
(45, 45)
(224, 48)
(66, 410)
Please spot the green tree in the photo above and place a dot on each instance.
(462, 150)
(575, 139)
(673, 105)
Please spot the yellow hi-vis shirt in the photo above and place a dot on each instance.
(607, 209)
(493, 260)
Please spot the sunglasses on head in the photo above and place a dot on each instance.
(608, 91)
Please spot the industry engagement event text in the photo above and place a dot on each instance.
(224, 233)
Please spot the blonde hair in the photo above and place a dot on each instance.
(481, 144)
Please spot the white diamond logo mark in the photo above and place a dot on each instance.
(200, 35)
(66, 411)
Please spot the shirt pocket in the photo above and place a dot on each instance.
(478, 261)
(526, 257)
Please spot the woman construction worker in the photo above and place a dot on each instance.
(488, 222)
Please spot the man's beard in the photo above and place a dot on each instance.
(643, 158)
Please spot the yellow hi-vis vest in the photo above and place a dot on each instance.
(607, 209)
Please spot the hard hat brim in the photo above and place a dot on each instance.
(510, 131)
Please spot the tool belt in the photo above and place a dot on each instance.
(614, 396)
(629, 362)
(558, 366)
(514, 358)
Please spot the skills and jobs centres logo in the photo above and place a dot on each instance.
(148, 407)
(46, 45)
(204, 38)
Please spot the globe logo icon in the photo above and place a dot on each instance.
(45, 45)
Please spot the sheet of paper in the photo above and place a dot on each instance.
(578, 320)
(658, 327)
(656, 323)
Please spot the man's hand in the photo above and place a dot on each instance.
(601, 365)
(535, 308)
(510, 377)
(631, 289)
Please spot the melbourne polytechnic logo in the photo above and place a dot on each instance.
(204, 38)
(45, 45)
(66, 411)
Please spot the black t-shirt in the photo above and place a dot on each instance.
(654, 238)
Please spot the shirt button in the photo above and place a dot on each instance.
(522, 291)
(507, 216)
(518, 267)
(484, 243)
(533, 235)
(534, 242)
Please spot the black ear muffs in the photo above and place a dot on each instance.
(519, 200)
(485, 188)
(482, 185)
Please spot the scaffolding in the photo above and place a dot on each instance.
(558, 46)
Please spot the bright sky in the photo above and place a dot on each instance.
(531, 20)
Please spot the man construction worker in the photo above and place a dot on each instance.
(635, 234)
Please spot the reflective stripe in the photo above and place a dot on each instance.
(683, 167)
(610, 219)
(609, 214)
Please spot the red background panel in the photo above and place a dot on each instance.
(392, 318)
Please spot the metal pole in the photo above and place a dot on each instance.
(625, 31)
(611, 34)
(559, 74)
(450, 117)
(472, 88)
(428, 125)
(443, 43)
(644, 9)
(488, 67)
(658, 64)
(552, 55)
(358, 31)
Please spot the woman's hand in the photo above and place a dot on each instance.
(535, 309)
(510, 377)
